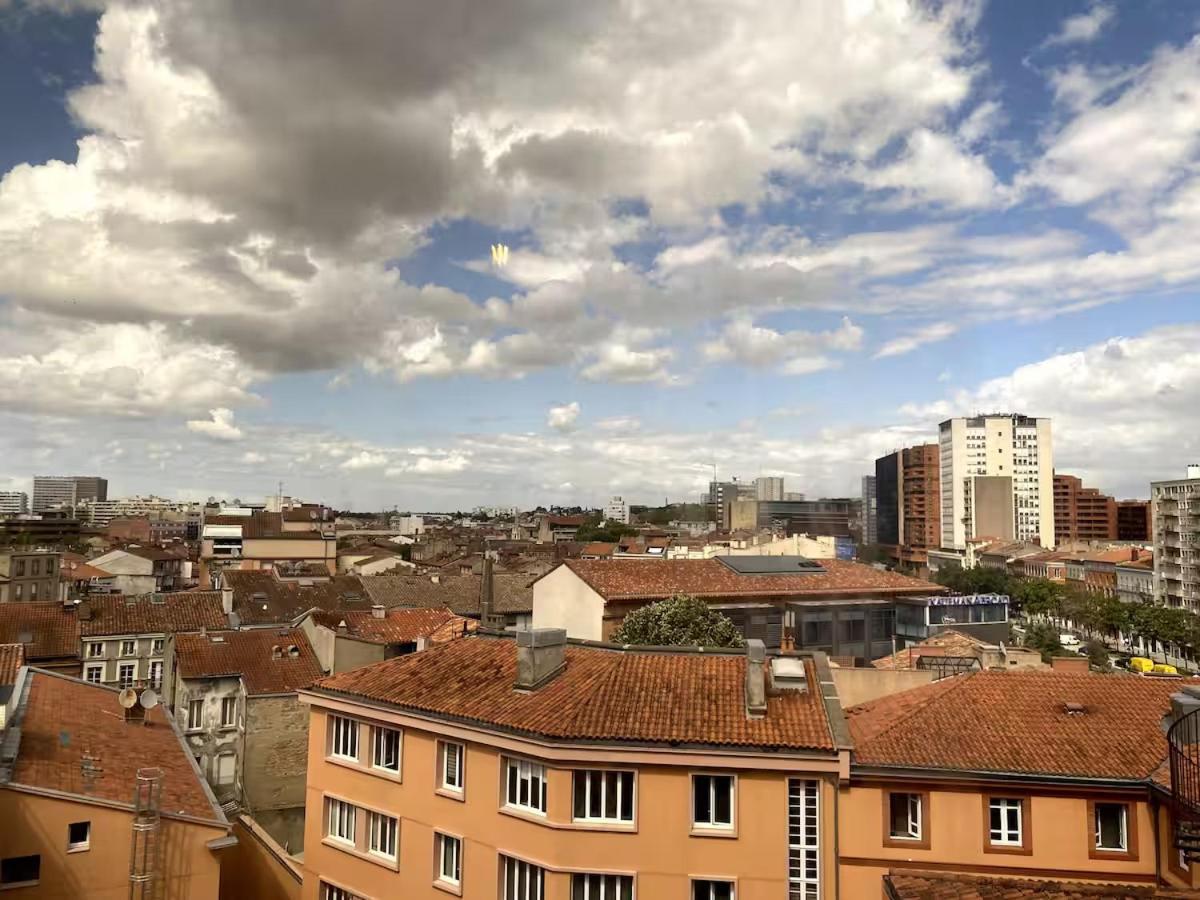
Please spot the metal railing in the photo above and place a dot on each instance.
(1183, 744)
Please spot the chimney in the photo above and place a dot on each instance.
(226, 600)
(379, 611)
(541, 655)
(756, 679)
(85, 610)
(487, 602)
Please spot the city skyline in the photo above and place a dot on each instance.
(217, 276)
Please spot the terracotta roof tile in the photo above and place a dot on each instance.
(261, 598)
(81, 571)
(74, 739)
(399, 625)
(608, 695)
(47, 629)
(952, 643)
(511, 593)
(250, 654)
(917, 885)
(661, 578)
(12, 657)
(102, 614)
(955, 723)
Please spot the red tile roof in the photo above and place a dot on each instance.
(511, 594)
(250, 654)
(1016, 722)
(601, 695)
(74, 739)
(952, 643)
(12, 657)
(598, 548)
(47, 629)
(660, 578)
(81, 571)
(917, 885)
(102, 614)
(399, 625)
(261, 598)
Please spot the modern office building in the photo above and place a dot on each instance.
(1177, 540)
(768, 487)
(13, 503)
(1082, 513)
(997, 479)
(66, 491)
(907, 487)
(617, 510)
(870, 510)
(1135, 520)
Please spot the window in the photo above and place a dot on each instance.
(904, 816)
(449, 859)
(226, 770)
(804, 839)
(1112, 827)
(95, 649)
(20, 870)
(79, 836)
(1005, 822)
(20, 568)
(129, 648)
(329, 892)
(49, 567)
(522, 880)
(228, 712)
(93, 674)
(17, 592)
(706, 889)
(33, 591)
(712, 801)
(341, 821)
(601, 887)
(452, 766)
(345, 737)
(35, 567)
(526, 783)
(602, 796)
(381, 831)
(156, 647)
(385, 749)
(125, 673)
(156, 667)
(195, 714)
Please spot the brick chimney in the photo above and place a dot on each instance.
(756, 679)
(541, 655)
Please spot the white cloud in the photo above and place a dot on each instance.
(563, 418)
(253, 458)
(431, 465)
(1084, 27)
(793, 352)
(935, 169)
(364, 459)
(218, 426)
(907, 343)
(620, 363)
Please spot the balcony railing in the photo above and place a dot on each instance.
(1183, 748)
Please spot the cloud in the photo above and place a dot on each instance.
(219, 426)
(1084, 27)
(253, 458)
(907, 343)
(364, 459)
(563, 418)
(792, 352)
(430, 465)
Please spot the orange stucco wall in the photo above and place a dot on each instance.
(1061, 835)
(34, 824)
(659, 849)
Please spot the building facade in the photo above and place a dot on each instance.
(870, 510)
(1082, 513)
(13, 503)
(616, 510)
(66, 491)
(1177, 540)
(1135, 521)
(996, 470)
(30, 575)
(908, 485)
(769, 487)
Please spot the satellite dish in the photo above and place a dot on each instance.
(127, 698)
(149, 698)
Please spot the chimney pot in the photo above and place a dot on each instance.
(756, 679)
(379, 611)
(541, 655)
(227, 600)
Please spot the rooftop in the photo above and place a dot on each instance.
(103, 614)
(658, 579)
(262, 598)
(74, 739)
(12, 657)
(398, 625)
(952, 643)
(269, 660)
(44, 627)
(602, 694)
(951, 725)
(918, 885)
(511, 594)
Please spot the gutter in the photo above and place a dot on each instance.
(969, 776)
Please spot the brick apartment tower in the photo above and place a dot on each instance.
(1082, 513)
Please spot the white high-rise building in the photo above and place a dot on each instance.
(997, 479)
(1176, 506)
(13, 503)
(768, 487)
(617, 510)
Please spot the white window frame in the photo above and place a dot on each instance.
(217, 779)
(157, 645)
(521, 776)
(713, 824)
(92, 650)
(333, 892)
(340, 817)
(1124, 848)
(609, 887)
(156, 673)
(79, 846)
(521, 880)
(596, 781)
(383, 831)
(1005, 836)
(705, 888)
(195, 714)
(449, 850)
(129, 647)
(131, 667)
(916, 816)
(97, 670)
(380, 733)
(451, 779)
(227, 704)
(343, 737)
(804, 838)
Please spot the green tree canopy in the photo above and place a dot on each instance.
(682, 621)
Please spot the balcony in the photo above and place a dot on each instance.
(1183, 753)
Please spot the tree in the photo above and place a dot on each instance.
(682, 621)
(979, 580)
(1044, 637)
(1097, 654)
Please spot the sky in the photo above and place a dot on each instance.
(245, 244)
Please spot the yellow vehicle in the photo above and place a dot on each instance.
(1141, 664)
(1164, 669)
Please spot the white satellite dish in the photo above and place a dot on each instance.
(128, 698)
(149, 698)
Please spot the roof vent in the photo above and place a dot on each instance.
(259, 596)
(276, 652)
(379, 611)
(158, 598)
(130, 600)
(1074, 708)
(217, 638)
(788, 674)
(293, 651)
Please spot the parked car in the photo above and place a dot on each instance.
(1068, 640)
(1141, 664)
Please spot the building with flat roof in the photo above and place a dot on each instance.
(1082, 513)
(13, 503)
(1177, 540)
(1135, 521)
(66, 491)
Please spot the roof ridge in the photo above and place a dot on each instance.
(906, 714)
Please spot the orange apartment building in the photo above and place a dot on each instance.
(536, 769)
(1082, 514)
